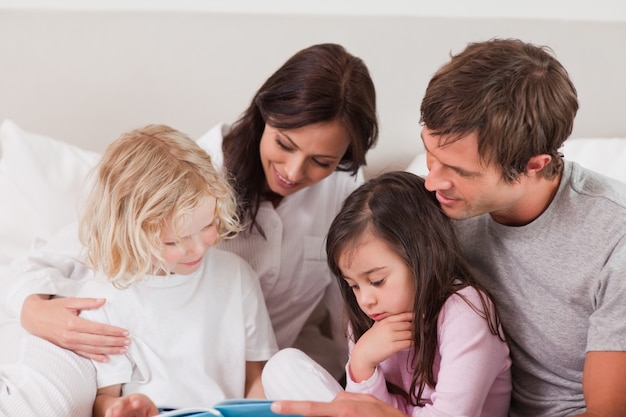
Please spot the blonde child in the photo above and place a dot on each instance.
(195, 314)
(424, 336)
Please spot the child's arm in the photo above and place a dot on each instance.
(384, 339)
(109, 403)
(254, 388)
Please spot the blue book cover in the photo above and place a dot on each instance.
(229, 408)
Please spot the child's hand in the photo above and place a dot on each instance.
(385, 338)
(134, 405)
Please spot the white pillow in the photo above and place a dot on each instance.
(604, 155)
(40, 185)
(418, 165)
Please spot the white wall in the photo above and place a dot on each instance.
(543, 9)
(84, 74)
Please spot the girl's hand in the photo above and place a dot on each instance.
(133, 405)
(57, 321)
(384, 339)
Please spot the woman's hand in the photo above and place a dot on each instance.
(57, 321)
(384, 339)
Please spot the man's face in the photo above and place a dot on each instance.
(467, 186)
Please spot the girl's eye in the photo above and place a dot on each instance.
(378, 283)
(170, 243)
(352, 286)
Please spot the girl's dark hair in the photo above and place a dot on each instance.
(397, 209)
(321, 83)
(516, 96)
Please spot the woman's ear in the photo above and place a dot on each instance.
(537, 163)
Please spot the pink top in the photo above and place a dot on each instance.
(472, 367)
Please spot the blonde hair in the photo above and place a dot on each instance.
(146, 178)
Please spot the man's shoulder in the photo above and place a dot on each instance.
(596, 187)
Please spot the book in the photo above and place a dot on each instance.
(229, 408)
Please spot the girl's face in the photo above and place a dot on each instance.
(382, 282)
(297, 158)
(183, 251)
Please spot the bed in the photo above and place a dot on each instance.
(73, 80)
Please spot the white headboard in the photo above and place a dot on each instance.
(84, 76)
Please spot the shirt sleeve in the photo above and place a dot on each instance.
(376, 386)
(54, 269)
(119, 368)
(260, 339)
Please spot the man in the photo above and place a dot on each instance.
(546, 236)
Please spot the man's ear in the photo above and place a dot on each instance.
(537, 163)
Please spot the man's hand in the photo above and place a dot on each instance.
(345, 404)
(57, 321)
(384, 339)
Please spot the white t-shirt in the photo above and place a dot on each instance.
(191, 334)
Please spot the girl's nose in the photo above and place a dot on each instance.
(367, 297)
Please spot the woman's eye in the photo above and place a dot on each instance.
(321, 164)
(282, 145)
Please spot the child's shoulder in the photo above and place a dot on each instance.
(223, 257)
(97, 286)
(467, 297)
(226, 262)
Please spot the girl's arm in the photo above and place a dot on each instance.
(383, 340)
(254, 388)
(109, 403)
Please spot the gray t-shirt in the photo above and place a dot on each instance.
(560, 287)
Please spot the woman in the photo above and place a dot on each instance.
(294, 156)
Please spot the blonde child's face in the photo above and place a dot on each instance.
(381, 281)
(183, 252)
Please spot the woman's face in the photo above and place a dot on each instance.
(294, 159)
